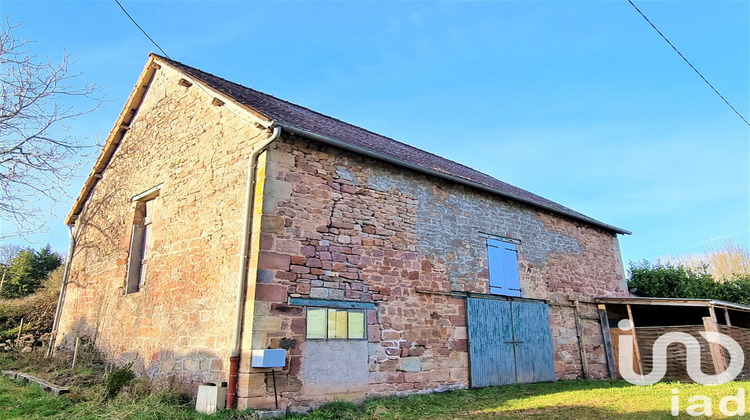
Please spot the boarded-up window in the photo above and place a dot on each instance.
(330, 323)
(503, 264)
(140, 243)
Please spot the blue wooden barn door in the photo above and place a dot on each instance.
(509, 342)
(534, 357)
(490, 342)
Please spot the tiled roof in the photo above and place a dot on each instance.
(288, 114)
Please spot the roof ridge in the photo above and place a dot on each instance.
(327, 116)
(307, 120)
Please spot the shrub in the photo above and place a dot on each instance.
(667, 280)
(117, 379)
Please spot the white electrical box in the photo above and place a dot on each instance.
(211, 398)
(269, 358)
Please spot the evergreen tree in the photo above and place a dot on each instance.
(27, 270)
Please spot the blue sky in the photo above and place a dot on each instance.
(578, 101)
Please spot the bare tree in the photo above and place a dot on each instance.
(723, 261)
(38, 154)
(7, 253)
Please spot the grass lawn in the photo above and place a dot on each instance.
(579, 400)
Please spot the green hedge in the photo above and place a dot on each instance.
(674, 281)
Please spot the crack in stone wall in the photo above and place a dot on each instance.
(450, 225)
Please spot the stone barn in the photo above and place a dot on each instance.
(219, 220)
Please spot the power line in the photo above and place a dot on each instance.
(688, 62)
(144, 32)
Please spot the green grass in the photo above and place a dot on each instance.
(578, 400)
(19, 401)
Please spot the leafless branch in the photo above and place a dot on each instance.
(38, 153)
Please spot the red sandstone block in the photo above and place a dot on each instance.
(348, 189)
(298, 259)
(459, 345)
(299, 326)
(373, 333)
(274, 261)
(393, 351)
(299, 269)
(286, 275)
(458, 321)
(307, 251)
(266, 242)
(352, 294)
(270, 292)
(314, 262)
(342, 225)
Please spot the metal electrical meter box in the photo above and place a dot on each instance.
(269, 358)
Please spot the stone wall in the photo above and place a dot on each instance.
(180, 323)
(344, 227)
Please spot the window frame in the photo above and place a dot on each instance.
(141, 239)
(327, 327)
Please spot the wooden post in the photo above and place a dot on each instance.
(608, 349)
(638, 364)
(75, 353)
(712, 311)
(726, 317)
(20, 328)
(581, 344)
(717, 353)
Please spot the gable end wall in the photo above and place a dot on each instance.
(180, 323)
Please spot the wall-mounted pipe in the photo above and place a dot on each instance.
(63, 288)
(245, 246)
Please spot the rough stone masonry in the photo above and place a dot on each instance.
(330, 224)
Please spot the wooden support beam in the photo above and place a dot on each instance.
(609, 351)
(712, 311)
(726, 317)
(638, 365)
(717, 353)
(581, 343)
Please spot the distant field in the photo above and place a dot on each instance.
(577, 400)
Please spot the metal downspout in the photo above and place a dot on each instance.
(234, 359)
(63, 287)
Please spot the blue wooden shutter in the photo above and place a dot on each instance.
(503, 262)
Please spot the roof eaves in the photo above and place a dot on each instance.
(440, 174)
(114, 138)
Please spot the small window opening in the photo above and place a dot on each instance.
(140, 243)
(330, 323)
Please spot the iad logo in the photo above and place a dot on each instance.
(693, 349)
